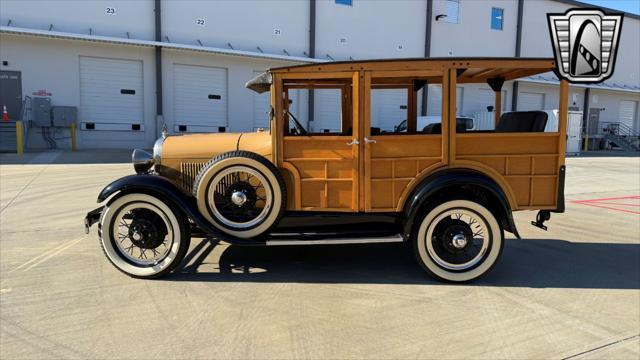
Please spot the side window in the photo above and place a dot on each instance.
(389, 111)
(452, 11)
(344, 2)
(395, 106)
(327, 112)
(332, 111)
(497, 18)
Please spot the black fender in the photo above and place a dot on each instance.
(165, 189)
(436, 183)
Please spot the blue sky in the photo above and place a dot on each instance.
(632, 6)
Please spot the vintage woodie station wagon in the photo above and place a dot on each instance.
(447, 186)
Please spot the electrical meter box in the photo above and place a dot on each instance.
(41, 111)
(64, 116)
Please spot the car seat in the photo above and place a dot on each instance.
(522, 121)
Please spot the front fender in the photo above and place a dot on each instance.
(451, 179)
(165, 189)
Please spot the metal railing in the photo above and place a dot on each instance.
(621, 135)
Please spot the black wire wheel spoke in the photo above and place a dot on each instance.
(458, 240)
(242, 197)
(142, 234)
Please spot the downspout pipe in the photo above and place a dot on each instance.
(158, 56)
(514, 93)
(427, 54)
(312, 54)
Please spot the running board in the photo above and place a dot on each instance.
(369, 240)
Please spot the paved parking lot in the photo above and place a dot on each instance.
(571, 292)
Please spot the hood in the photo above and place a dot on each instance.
(206, 146)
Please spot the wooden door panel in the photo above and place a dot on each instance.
(394, 162)
(327, 169)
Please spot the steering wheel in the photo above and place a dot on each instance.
(300, 129)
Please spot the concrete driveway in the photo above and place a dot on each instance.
(571, 292)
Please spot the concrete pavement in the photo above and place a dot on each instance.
(571, 292)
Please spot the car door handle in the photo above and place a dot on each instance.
(353, 142)
(369, 141)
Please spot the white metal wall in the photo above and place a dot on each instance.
(368, 29)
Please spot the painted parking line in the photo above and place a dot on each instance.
(616, 204)
(46, 255)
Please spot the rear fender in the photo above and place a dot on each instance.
(448, 181)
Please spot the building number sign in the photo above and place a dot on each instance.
(110, 10)
(200, 22)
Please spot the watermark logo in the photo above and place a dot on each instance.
(585, 43)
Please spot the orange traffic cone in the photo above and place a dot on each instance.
(5, 114)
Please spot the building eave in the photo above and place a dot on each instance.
(150, 43)
(603, 86)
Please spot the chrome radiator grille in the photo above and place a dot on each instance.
(189, 171)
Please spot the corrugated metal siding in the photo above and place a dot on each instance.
(327, 111)
(388, 108)
(196, 89)
(101, 83)
(627, 112)
(530, 101)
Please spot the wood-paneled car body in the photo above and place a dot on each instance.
(446, 188)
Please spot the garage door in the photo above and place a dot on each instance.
(530, 101)
(200, 98)
(111, 95)
(388, 108)
(627, 113)
(434, 100)
(327, 111)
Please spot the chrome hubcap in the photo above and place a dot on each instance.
(459, 241)
(238, 198)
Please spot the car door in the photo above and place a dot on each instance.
(324, 161)
(396, 157)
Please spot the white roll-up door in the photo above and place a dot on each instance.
(327, 111)
(388, 108)
(111, 96)
(434, 100)
(200, 98)
(627, 113)
(530, 101)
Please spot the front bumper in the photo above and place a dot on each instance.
(92, 217)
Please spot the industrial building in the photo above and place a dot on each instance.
(131, 67)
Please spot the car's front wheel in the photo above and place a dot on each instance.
(458, 240)
(143, 236)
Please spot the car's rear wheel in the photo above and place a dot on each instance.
(143, 236)
(241, 194)
(458, 240)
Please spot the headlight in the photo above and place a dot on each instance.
(157, 150)
(142, 161)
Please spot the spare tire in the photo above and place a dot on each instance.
(241, 193)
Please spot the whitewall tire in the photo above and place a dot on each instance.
(458, 240)
(241, 193)
(143, 236)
